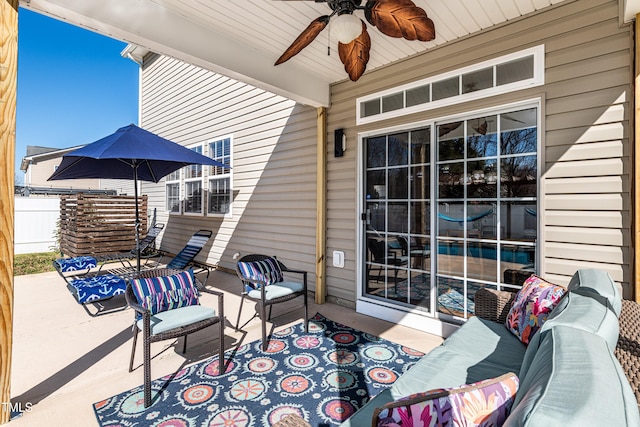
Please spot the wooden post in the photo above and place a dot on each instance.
(635, 286)
(8, 88)
(321, 206)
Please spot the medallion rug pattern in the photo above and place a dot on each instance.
(324, 376)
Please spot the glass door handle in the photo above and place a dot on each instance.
(366, 217)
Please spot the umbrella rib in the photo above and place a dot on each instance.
(152, 173)
(131, 162)
(70, 165)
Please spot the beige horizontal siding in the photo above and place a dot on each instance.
(566, 268)
(596, 150)
(585, 193)
(587, 235)
(606, 98)
(588, 185)
(274, 201)
(588, 202)
(40, 172)
(602, 254)
(598, 167)
(582, 135)
(605, 219)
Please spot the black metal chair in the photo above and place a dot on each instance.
(383, 257)
(263, 282)
(147, 250)
(171, 324)
(418, 254)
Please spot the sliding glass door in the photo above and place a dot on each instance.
(397, 217)
(450, 208)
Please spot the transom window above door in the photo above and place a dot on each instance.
(508, 73)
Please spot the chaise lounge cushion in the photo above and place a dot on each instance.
(599, 282)
(66, 265)
(491, 344)
(574, 380)
(590, 312)
(97, 288)
(485, 403)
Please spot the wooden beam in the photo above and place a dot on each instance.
(321, 205)
(8, 93)
(635, 153)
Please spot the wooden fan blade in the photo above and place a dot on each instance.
(355, 55)
(303, 40)
(400, 18)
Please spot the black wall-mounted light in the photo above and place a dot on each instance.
(340, 142)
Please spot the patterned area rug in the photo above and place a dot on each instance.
(324, 376)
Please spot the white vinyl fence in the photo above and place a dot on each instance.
(35, 223)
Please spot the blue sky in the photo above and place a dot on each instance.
(73, 85)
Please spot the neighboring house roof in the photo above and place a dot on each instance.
(36, 154)
(34, 150)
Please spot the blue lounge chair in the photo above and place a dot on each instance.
(94, 287)
(90, 288)
(146, 249)
(186, 257)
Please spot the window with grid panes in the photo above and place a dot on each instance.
(220, 191)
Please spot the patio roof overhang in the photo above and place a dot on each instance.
(242, 40)
(149, 24)
(630, 8)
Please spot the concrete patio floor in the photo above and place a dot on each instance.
(65, 360)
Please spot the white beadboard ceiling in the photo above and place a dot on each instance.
(243, 38)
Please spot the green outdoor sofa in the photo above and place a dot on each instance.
(568, 373)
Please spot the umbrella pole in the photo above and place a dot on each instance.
(137, 226)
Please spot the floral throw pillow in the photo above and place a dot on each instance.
(483, 404)
(532, 306)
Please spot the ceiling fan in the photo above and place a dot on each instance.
(394, 18)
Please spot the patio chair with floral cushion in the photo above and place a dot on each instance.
(167, 306)
(263, 281)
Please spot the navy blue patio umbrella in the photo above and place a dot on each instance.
(129, 153)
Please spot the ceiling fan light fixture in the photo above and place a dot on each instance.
(346, 27)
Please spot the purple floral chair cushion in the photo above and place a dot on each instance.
(158, 294)
(483, 404)
(532, 306)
